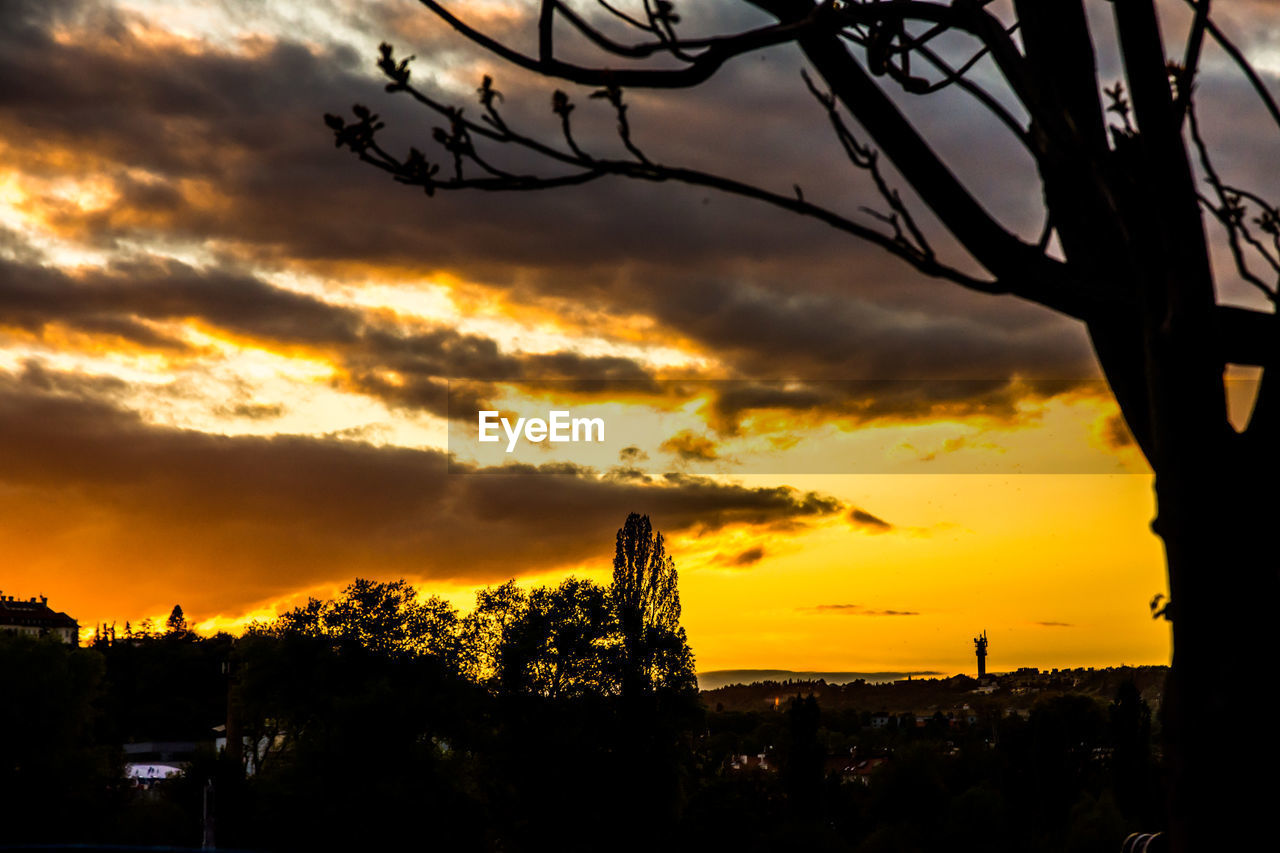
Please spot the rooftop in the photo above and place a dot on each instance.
(32, 612)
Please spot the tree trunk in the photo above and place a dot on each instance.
(1223, 582)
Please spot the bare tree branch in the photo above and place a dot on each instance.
(1259, 87)
(1019, 268)
(1232, 214)
(1022, 266)
(950, 75)
(623, 16)
(967, 17)
(714, 52)
(415, 170)
(1191, 59)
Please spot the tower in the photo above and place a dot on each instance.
(980, 647)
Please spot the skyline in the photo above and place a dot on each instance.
(224, 348)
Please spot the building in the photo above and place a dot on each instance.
(980, 648)
(36, 618)
(759, 761)
(851, 768)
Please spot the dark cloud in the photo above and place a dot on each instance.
(774, 329)
(749, 557)
(159, 511)
(36, 376)
(1055, 624)
(857, 610)
(865, 401)
(409, 366)
(235, 153)
(116, 297)
(1115, 432)
(252, 411)
(121, 299)
(689, 446)
(862, 518)
(632, 454)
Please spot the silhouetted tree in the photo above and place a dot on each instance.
(54, 778)
(563, 643)
(1131, 764)
(164, 688)
(484, 631)
(803, 759)
(176, 624)
(383, 618)
(359, 735)
(1059, 764)
(1131, 259)
(647, 597)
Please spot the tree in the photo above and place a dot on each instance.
(563, 643)
(804, 755)
(647, 599)
(383, 618)
(1120, 170)
(579, 639)
(176, 624)
(52, 771)
(485, 630)
(1130, 719)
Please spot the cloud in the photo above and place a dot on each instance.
(1115, 432)
(1054, 624)
(856, 610)
(144, 300)
(149, 121)
(153, 120)
(863, 519)
(632, 454)
(140, 512)
(691, 447)
(252, 411)
(127, 298)
(749, 557)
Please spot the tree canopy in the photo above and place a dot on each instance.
(647, 599)
(573, 639)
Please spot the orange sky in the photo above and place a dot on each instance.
(225, 350)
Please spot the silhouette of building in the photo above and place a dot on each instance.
(980, 648)
(35, 617)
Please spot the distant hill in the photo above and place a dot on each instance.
(718, 678)
(924, 693)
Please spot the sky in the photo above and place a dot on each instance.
(235, 361)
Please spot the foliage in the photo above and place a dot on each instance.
(357, 749)
(54, 772)
(647, 599)
(562, 643)
(382, 618)
(571, 640)
(176, 623)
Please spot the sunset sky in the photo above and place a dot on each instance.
(226, 349)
